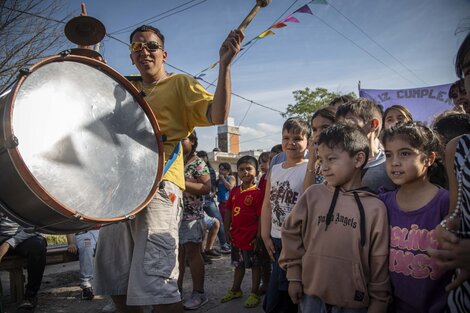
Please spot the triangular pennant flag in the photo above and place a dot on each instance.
(304, 9)
(266, 33)
(319, 2)
(289, 19)
(279, 25)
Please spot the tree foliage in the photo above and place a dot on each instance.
(308, 101)
(28, 33)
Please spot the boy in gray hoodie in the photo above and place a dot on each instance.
(335, 241)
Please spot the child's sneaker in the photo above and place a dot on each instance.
(109, 308)
(225, 249)
(87, 294)
(212, 254)
(196, 301)
(206, 258)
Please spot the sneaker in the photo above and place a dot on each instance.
(206, 259)
(225, 249)
(109, 308)
(87, 294)
(212, 254)
(28, 304)
(196, 301)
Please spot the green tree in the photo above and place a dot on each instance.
(308, 101)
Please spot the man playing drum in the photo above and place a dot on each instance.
(136, 261)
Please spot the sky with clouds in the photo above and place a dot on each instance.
(323, 50)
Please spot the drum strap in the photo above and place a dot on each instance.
(172, 158)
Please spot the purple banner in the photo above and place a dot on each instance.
(424, 103)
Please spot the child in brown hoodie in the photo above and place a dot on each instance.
(335, 241)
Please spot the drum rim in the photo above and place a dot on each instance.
(26, 175)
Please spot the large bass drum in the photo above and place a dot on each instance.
(78, 147)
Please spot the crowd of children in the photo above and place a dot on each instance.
(356, 214)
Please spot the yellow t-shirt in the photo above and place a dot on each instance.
(179, 103)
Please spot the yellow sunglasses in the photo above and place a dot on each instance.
(151, 46)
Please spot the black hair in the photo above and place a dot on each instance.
(457, 85)
(346, 137)
(297, 125)
(400, 108)
(248, 159)
(226, 166)
(463, 51)
(148, 28)
(424, 139)
(263, 157)
(365, 109)
(328, 113)
(451, 124)
(418, 135)
(193, 138)
(340, 100)
(203, 154)
(277, 149)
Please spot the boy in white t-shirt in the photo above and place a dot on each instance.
(283, 189)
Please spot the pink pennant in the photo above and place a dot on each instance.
(289, 19)
(304, 9)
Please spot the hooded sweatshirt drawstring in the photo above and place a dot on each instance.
(362, 222)
(329, 215)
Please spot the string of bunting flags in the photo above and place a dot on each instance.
(269, 32)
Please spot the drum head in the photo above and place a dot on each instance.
(86, 139)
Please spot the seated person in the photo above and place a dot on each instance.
(84, 244)
(31, 245)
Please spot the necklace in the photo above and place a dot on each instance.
(457, 213)
(153, 84)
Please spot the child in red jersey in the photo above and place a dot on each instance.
(241, 227)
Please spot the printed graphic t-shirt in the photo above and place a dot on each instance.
(287, 185)
(193, 204)
(417, 282)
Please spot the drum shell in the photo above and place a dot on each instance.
(23, 199)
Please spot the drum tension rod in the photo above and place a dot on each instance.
(130, 217)
(24, 71)
(78, 216)
(65, 53)
(10, 143)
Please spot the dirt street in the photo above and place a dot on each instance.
(60, 291)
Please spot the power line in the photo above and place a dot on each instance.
(150, 19)
(378, 44)
(123, 42)
(234, 94)
(35, 15)
(363, 49)
(257, 138)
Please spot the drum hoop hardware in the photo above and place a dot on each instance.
(24, 72)
(11, 143)
(129, 217)
(65, 53)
